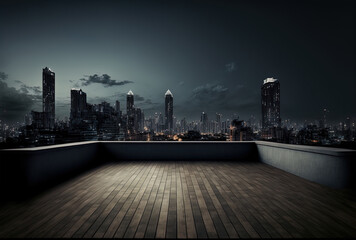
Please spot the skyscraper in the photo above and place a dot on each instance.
(168, 117)
(78, 106)
(129, 102)
(48, 87)
(324, 123)
(204, 122)
(270, 92)
(218, 122)
(130, 112)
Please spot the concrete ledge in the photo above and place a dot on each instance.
(340, 152)
(332, 167)
(188, 151)
(27, 168)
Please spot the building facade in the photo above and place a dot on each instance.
(78, 106)
(270, 92)
(130, 112)
(48, 97)
(168, 117)
(204, 122)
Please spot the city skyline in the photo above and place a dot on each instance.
(213, 55)
(91, 122)
(48, 75)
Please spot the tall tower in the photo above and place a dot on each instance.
(218, 122)
(130, 112)
(78, 100)
(270, 92)
(129, 102)
(204, 122)
(168, 117)
(48, 84)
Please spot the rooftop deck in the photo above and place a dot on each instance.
(169, 199)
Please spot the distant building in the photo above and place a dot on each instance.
(270, 92)
(130, 112)
(324, 123)
(168, 117)
(238, 132)
(129, 102)
(48, 97)
(37, 119)
(78, 107)
(348, 131)
(28, 120)
(138, 120)
(218, 123)
(183, 125)
(204, 122)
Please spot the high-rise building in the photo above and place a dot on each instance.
(218, 122)
(48, 106)
(37, 119)
(183, 124)
(168, 117)
(323, 123)
(204, 122)
(78, 106)
(270, 92)
(130, 112)
(129, 102)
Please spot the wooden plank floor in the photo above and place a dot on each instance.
(183, 200)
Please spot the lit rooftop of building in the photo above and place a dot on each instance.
(47, 69)
(168, 93)
(269, 80)
(130, 93)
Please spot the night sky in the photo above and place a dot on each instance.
(212, 55)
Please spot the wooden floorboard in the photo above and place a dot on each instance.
(174, 199)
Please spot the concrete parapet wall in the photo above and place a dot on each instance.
(26, 168)
(30, 167)
(332, 167)
(188, 151)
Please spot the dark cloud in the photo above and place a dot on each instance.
(14, 104)
(104, 79)
(30, 90)
(121, 97)
(139, 98)
(230, 67)
(75, 83)
(218, 98)
(210, 93)
(148, 101)
(3, 76)
(207, 98)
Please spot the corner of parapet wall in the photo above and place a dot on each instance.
(331, 167)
